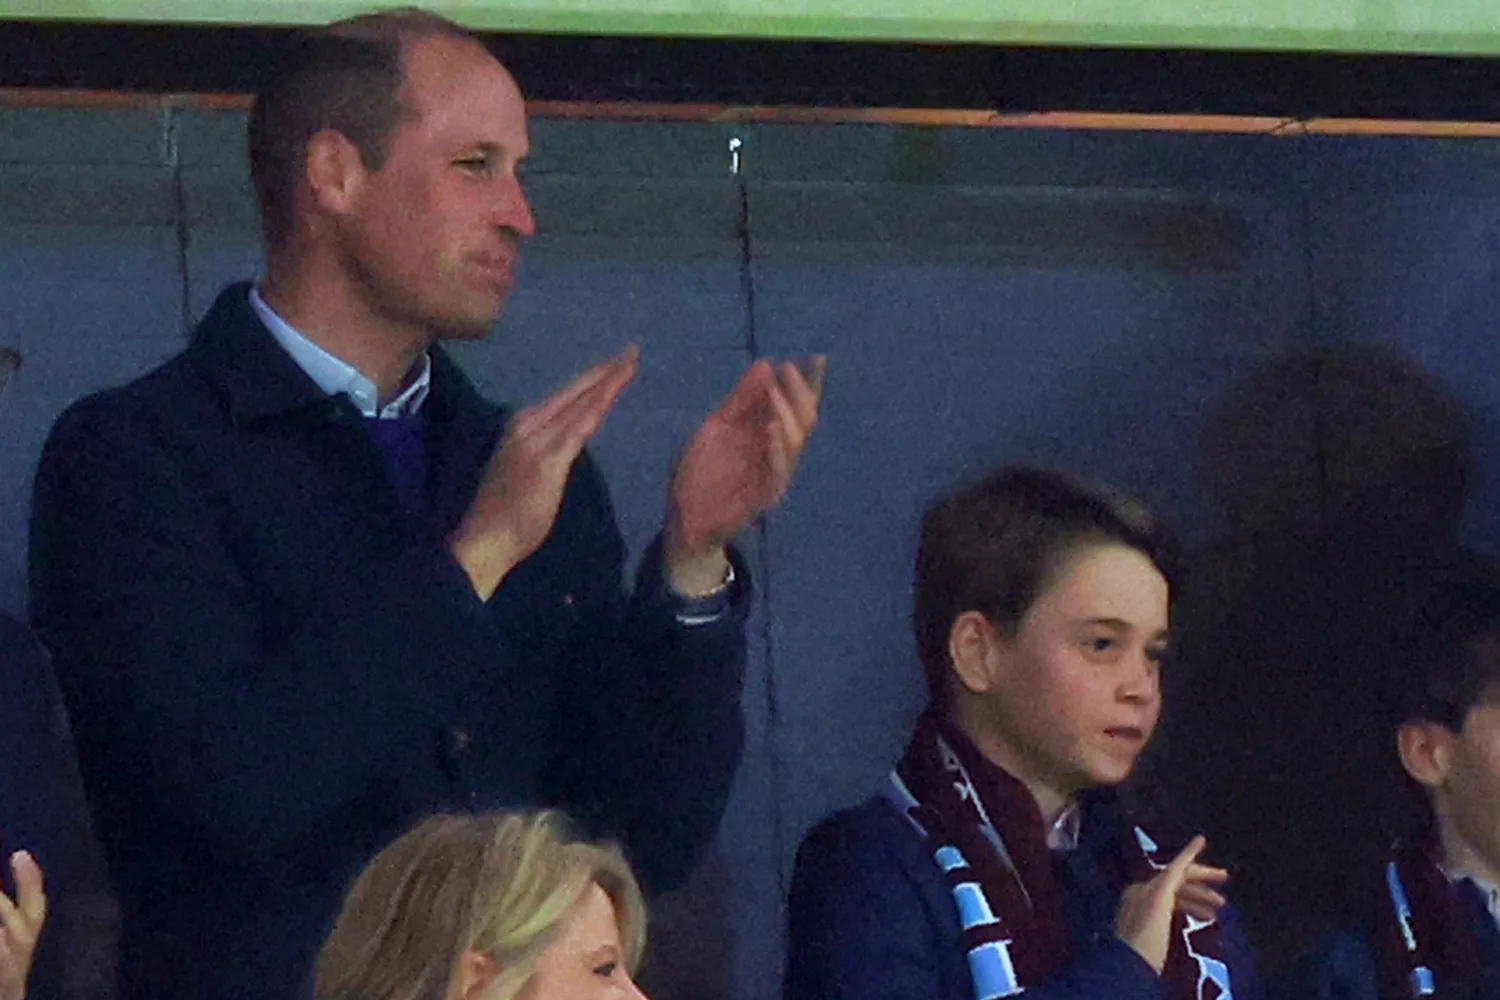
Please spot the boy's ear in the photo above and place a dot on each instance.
(974, 649)
(1426, 752)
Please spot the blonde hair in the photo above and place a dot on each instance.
(500, 884)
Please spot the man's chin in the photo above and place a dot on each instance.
(474, 327)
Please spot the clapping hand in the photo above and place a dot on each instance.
(738, 465)
(517, 502)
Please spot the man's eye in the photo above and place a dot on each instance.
(474, 164)
(607, 969)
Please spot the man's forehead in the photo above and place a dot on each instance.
(442, 72)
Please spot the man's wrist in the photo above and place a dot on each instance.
(484, 557)
(697, 577)
(708, 607)
(693, 565)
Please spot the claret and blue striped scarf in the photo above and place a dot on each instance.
(1422, 938)
(987, 834)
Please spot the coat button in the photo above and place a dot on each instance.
(567, 600)
(459, 739)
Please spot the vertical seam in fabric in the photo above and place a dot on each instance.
(748, 290)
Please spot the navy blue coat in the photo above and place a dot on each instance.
(1342, 967)
(272, 672)
(873, 918)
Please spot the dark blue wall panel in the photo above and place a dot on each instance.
(1080, 299)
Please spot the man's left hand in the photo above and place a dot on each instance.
(738, 465)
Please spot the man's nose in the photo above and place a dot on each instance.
(514, 210)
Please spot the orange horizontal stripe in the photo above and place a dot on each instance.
(937, 117)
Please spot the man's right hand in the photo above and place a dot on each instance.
(518, 500)
(1144, 919)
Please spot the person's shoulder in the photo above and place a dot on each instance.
(173, 384)
(175, 391)
(872, 840)
(869, 903)
(116, 415)
(149, 389)
(872, 825)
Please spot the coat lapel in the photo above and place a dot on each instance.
(463, 430)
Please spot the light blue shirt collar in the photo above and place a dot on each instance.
(1065, 829)
(337, 377)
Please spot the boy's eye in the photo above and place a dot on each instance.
(1100, 644)
(606, 970)
(474, 164)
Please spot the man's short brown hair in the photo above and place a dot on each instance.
(346, 77)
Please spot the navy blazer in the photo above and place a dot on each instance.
(872, 917)
(1342, 967)
(272, 672)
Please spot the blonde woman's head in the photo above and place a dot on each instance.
(496, 906)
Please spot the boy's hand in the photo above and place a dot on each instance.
(21, 922)
(1144, 919)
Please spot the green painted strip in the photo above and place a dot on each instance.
(1453, 28)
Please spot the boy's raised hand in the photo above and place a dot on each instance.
(21, 922)
(1144, 919)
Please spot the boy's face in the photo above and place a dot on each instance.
(1073, 696)
(1470, 791)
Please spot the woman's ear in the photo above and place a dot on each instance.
(974, 650)
(1426, 752)
(473, 976)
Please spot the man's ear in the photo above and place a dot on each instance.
(473, 976)
(335, 171)
(975, 650)
(1426, 750)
